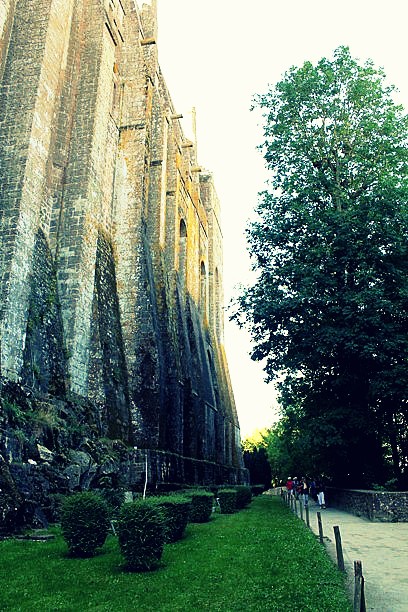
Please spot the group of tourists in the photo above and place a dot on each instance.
(303, 488)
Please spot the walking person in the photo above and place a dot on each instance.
(312, 490)
(320, 490)
(296, 487)
(289, 486)
(304, 491)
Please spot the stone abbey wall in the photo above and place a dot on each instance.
(111, 248)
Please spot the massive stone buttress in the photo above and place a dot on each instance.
(111, 248)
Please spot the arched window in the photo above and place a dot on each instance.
(217, 304)
(183, 229)
(203, 290)
(182, 263)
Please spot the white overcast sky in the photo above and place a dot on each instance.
(215, 55)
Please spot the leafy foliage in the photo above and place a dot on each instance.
(256, 459)
(244, 496)
(257, 490)
(84, 523)
(141, 531)
(255, 440)
(175, 509)
(228, 500)
(115, 498)
(201, 505)
(329, 310)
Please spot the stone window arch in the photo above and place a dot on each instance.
(203, 289)
(217, 304)
(182, 252)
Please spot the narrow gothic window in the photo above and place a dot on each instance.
(182, 263)
(217, 304)
(203, 289)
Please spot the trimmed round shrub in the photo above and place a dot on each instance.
(85, 523)
(227, 499)
(257, 489)
(244, 496)
(176, 510)
(115, 498)
(201, 506)
(53, 508)
(141, 531)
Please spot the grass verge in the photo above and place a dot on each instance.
(262, 558)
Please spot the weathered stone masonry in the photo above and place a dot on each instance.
(111, 248)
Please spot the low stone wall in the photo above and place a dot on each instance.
(385, 506)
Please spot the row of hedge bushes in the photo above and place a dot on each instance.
(144, 525)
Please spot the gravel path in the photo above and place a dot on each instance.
(381, 547)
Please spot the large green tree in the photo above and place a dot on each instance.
(329, 309)
(254, 452)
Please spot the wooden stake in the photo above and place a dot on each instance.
(307, 516)
(359, 597)
(319, 523)
(339, 549)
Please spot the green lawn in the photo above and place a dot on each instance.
(262, 558)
